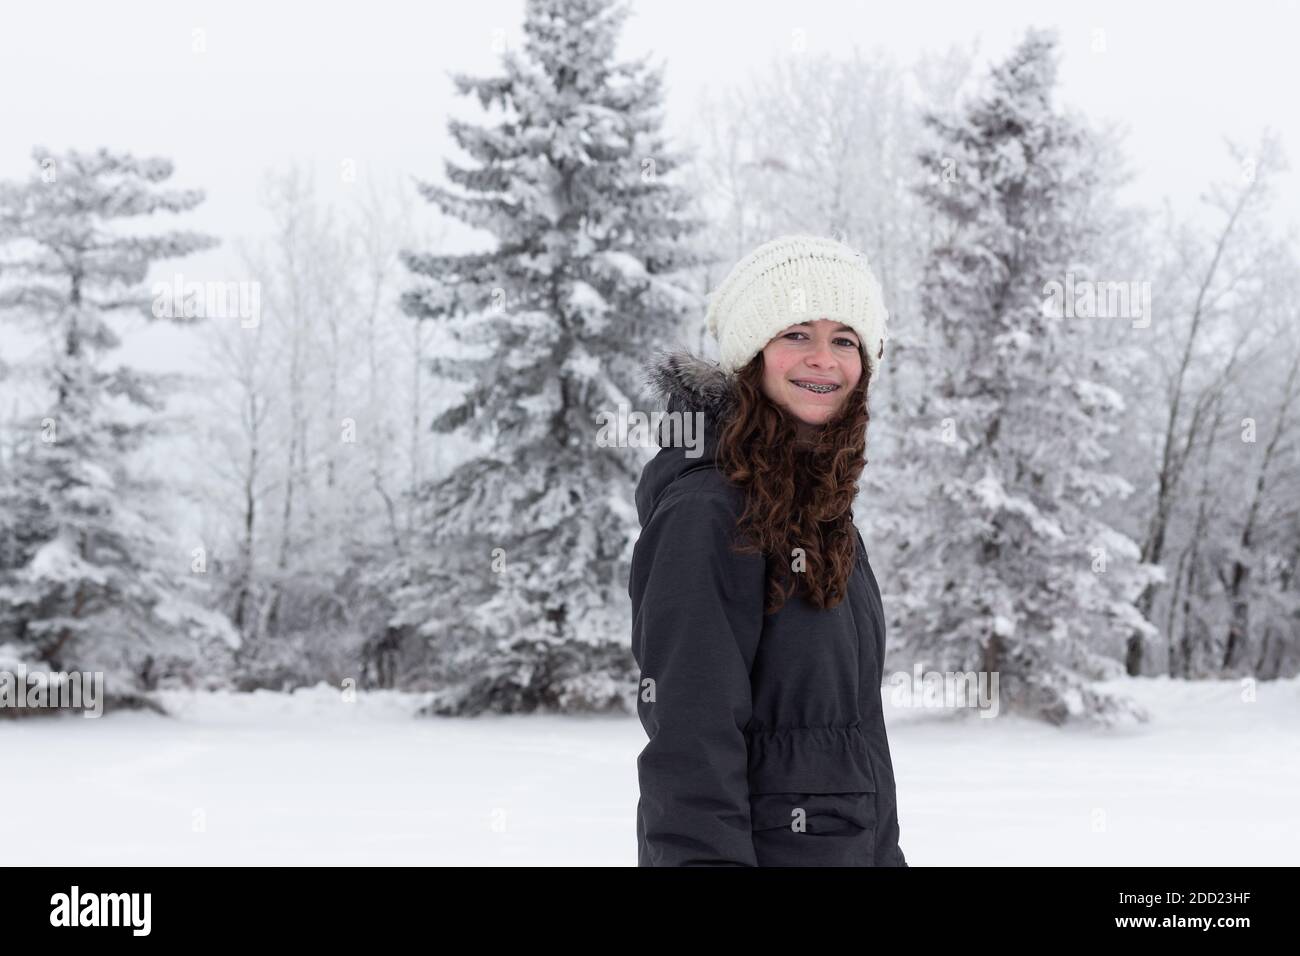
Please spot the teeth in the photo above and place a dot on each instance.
(814, 387)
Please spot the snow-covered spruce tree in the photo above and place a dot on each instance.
(521, 581)
(1014, 573)
(85, 582)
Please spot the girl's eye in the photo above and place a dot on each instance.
(847, 342)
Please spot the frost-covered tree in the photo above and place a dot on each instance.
(309, 419)
(1220, 289)
(1014, 572)
(521, 581)
(87, 579)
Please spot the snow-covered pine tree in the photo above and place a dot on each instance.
(521, 581)
(1014, 572)
(85, 582)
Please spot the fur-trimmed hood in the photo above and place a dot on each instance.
(682, 381)
(679, 381)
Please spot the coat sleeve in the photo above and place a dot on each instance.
(697, 612)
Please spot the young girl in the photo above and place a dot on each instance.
(757, 621)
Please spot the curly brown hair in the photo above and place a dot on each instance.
(797, 494)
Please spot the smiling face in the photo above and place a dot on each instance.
(809, 369)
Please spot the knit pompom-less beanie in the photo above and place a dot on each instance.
(791, 279)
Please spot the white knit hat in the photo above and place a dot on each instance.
(790, 279)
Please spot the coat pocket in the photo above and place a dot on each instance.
(812, 797)
(814, 829)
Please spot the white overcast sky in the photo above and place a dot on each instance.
(324, 82)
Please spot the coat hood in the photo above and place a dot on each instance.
(680, 381)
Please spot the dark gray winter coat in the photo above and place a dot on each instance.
(767, 741)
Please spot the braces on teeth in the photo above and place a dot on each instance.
(812, 387)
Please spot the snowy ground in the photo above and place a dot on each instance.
(307, 779)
